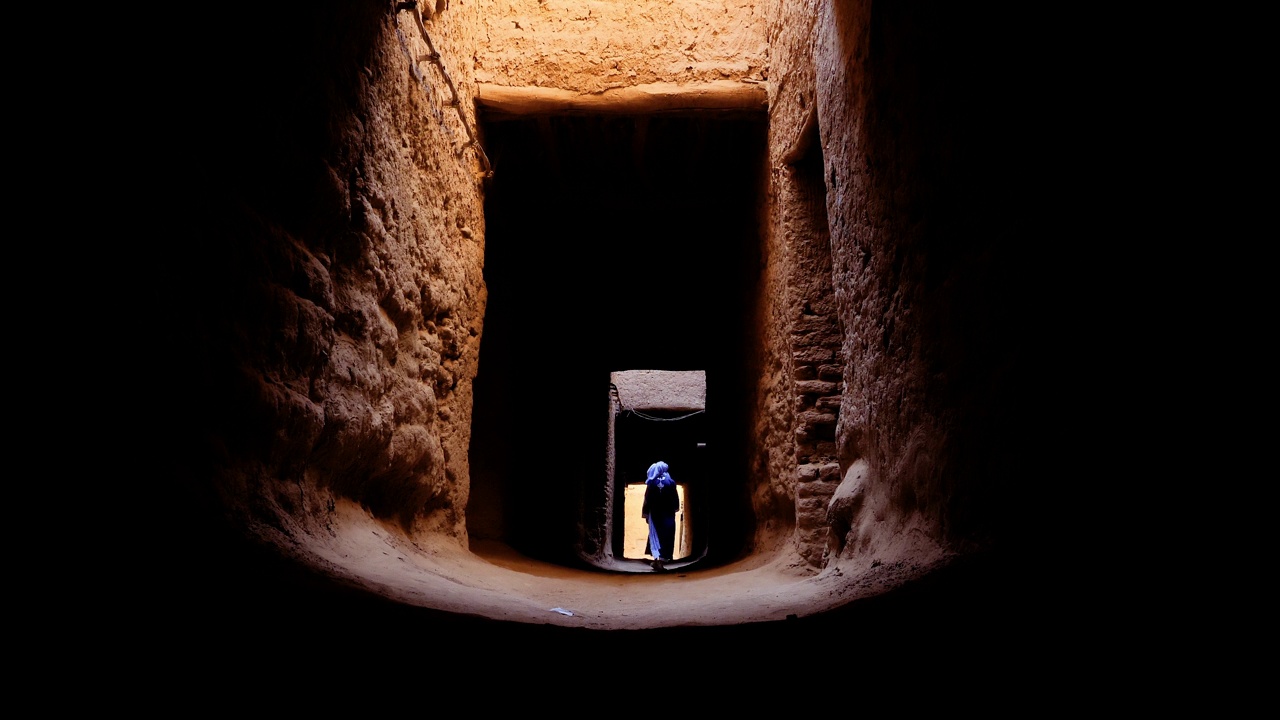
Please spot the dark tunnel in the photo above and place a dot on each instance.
(612, 243)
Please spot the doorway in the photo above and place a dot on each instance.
(635, 531)
(612, 243)
(657, 415)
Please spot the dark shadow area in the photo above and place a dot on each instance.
(927, 630)
(612, 243)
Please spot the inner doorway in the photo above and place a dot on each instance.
(635, 531)
(657, 415)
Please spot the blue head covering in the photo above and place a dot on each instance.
(658, 475)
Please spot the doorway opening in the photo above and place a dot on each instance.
(656, 415)
(614, 242)
(635, 532)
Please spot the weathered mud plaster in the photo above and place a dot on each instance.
(592, 46)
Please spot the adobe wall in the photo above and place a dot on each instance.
(927, 196)
(797, 423)
(590, 46)
(330, 302)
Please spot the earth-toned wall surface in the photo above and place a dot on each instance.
(321, 297)
(332, 310)
(589, 46)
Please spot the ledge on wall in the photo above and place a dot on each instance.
(639, 99)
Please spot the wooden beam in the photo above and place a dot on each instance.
(636, 100)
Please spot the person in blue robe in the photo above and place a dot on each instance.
(661, 503)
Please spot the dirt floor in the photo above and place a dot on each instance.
(490, 580)
(370, 601)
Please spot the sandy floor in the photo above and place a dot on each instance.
(490, 580)
(434, 611)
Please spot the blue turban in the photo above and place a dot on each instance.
(658, 475)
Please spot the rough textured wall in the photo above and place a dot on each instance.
(925, 126)
(330, 307)
(595, 45)
(771, 459)
(808, 338)
(773, 454)
(909, 106)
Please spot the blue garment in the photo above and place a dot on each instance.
(661, 502)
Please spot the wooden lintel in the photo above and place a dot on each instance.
(639, 99)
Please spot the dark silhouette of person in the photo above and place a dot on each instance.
(661, 502)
